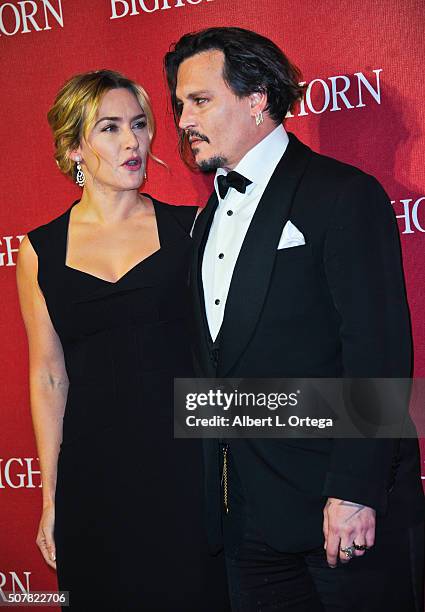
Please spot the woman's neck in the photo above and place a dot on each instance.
(107, 205)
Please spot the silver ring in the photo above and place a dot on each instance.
(349, 551)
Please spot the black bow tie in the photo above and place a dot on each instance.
(232, 179)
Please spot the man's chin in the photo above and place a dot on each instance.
(211, 164)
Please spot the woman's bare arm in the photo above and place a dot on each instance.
(48, 385)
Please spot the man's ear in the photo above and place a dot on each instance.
(257, 102)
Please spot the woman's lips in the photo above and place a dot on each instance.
(133, 164)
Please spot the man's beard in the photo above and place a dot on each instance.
(207, 165)
(212, 164)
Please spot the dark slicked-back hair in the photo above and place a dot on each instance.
(252, 63)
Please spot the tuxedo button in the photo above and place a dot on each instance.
(230, 213)
(221, 255)
(217, 302)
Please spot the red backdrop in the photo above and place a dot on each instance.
(364, 63)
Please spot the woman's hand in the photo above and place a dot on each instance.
(45, 540)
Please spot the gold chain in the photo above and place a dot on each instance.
(224, 480)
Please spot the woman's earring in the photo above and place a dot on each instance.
(146, 176)
(80, 177)
(259, 118)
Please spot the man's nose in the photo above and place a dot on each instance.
(187, 119)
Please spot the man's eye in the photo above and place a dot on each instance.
(200, 101)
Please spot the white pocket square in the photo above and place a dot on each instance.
(291, 237)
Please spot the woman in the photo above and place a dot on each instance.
(103, 297)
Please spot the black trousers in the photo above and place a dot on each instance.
(388, 578)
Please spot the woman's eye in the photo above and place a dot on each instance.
(139, 125)
(110, 128)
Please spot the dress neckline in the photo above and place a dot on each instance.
(136, 265)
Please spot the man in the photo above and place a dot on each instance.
(296, 273)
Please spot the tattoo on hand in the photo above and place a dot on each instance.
(358, 508)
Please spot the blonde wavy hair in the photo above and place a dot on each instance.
(75, 108)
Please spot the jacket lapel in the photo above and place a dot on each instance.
(254, 266)
(200, 235)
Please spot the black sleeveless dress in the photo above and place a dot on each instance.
(128, 527)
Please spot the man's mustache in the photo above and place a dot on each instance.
(191, 134)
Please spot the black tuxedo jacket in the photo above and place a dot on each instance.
(333, 307)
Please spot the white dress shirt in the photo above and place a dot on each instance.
(231, 222)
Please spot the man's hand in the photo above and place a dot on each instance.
(345, 523)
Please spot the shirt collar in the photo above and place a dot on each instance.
(260, 162)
